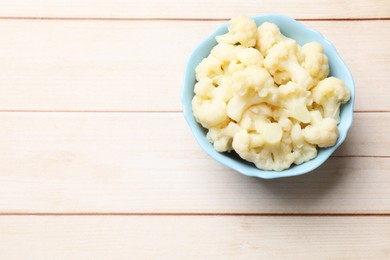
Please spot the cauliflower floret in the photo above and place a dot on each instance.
(261, 116)
(225, 52)
(234, 66)
(244, 141)
(261, 122)
(329, 94)
(238, 104)
(258, 119)
(254, 85)
(245, 57)
(236, 58)
(283, 144)
(282, 77)
(222, 138)
(227, 55)
(241, 31)
(321, 131)
(275, 159)
(282, 62)
(252, 78)
(218, 88)
(209, 103)
(272, 133)
(303, 151)
(255, 116)
(209, 112)
(250, 57)
(295, 100)
(276, 155)
(208, 68)
(205, 88)
(280, 113)
(315, 61)
(285, 124)
(268, 34)
(223, 89)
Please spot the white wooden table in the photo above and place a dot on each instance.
(97, 162)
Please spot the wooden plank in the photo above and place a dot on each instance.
(89, 65)
(367, 136)
(194, 9)
(149, 162)
(188, 237)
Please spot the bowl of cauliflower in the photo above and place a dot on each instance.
(268, 96)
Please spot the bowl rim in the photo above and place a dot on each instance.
(231, 162)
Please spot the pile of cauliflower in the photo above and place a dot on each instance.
(262, 95)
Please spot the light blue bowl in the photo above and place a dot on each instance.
(302, 34)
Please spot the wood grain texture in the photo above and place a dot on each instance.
(194, 238)
(367, 136)
(143, 171)
(194, 9)
(139, 65)
(150, 162)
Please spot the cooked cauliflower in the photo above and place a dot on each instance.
(276, 155)
(253, 78)
(225, 52)
(262, 141)
(222, 138)
(268, 34)
(295, 100)
(249, 57)
(219, 88)
(241, 31)
(321, 131)
(208, 105)
(330, 93)
(227, 55)
(264, 97)
(208, 68)
(255, 116)
(282, 62)
(233, 58)
(303, 151)
(253, 85)
(209, 112)
(315, 61)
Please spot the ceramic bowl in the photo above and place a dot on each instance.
(302, 34)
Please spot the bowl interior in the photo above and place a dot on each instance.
(302, 34)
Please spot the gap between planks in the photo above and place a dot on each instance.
(171, 111)
(174, 19)
(200, 214)
(131, 111)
